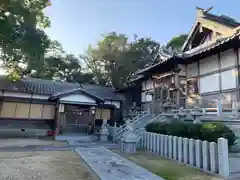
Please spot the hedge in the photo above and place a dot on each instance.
(205, 132)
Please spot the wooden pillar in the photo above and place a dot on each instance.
(186, 88)
(154, 97)
(59, 116)
(57, 124)
(220, 74)
(161, 95)
(178, 91)
(237, 73)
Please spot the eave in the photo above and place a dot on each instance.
(75, 91)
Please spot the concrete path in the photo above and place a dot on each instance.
(108, 145)
(234, 162)
(111, 166)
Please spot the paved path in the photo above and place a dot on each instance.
(109, 145)
(234, 162)
(111, 166)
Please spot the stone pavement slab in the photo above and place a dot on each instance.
(108, 145)
(111, 166)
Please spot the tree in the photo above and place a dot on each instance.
(82, 77)
(61, 66)
(115, 59)
(177, 42)
(142, 51)
(22, 42)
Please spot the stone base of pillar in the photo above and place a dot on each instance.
(104, 137)
(104, 133)
(129, 147)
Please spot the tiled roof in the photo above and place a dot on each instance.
(104, 92)
(67, 92)
(36, 86)
(223, 19)
(208, 46)
(51, 87)
(195, 51)
(163, 55)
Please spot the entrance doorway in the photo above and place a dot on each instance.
(78, 119)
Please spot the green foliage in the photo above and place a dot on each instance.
(205, 132)
(21, 41)
(177, 42)
(114, 59)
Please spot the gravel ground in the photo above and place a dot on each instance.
(44, 165)
(28, 142)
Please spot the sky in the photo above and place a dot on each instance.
(78, 23)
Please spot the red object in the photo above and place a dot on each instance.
(51, 133)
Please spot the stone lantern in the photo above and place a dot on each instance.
(104, 131)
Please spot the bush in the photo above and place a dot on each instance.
(205, 132)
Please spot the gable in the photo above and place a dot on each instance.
(209, 27)
(79, 98)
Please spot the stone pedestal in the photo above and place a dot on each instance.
(236, 109)
(104, 132)
(149, 109)
(219, 108)
(129, 143)
(196, 114)
(168, 107)
(129, 140)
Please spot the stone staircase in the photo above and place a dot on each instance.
(138, 123)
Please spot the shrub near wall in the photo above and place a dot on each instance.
(205, 132)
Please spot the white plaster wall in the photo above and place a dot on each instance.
(228, 58)
(239, 55)
(148, 97)
(228, 79)
(209, 83)
(208, 64)
(143, 97)
(115, 103)
(36, 96)
(157, 84)
(192, 70)
(23, 95)
(183, 70)
(143, 85)
(149, 84)
(77, 98)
